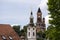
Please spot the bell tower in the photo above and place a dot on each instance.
(39, 16)
(39, 20)
(31, 19)
(31, 29)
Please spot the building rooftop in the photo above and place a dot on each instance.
(7, 32)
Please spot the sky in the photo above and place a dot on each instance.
(17, 12)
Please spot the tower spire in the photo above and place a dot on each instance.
(31, 19)
(39, 16)
(31, 13)
(39, 10)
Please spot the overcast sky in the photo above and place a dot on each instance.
(18, 11)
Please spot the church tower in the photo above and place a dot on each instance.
(39, 16)
(40, 24)
(31, 29)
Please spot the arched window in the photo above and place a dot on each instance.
(29, 28)
(33, 34)
(29, 33)
(4, 38)
(33, 28)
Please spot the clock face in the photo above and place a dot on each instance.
(38, 16)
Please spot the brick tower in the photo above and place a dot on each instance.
(40, 24)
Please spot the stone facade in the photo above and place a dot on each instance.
(31, 33)
(31, 29)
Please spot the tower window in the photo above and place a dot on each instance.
(29, 28)
(33, 34)
(29, 33)
(33, 28)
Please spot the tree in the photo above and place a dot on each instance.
(23, 32)
(25, 28)
(41, 35)
(51, 33)
(17, 29)
(54, 9)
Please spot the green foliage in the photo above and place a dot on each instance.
(41, 35)
(53, 31)
(23, 31)
(17, 29)
(25, 28)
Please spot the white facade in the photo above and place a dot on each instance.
(31, 33)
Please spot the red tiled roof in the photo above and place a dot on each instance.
(6, 30)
